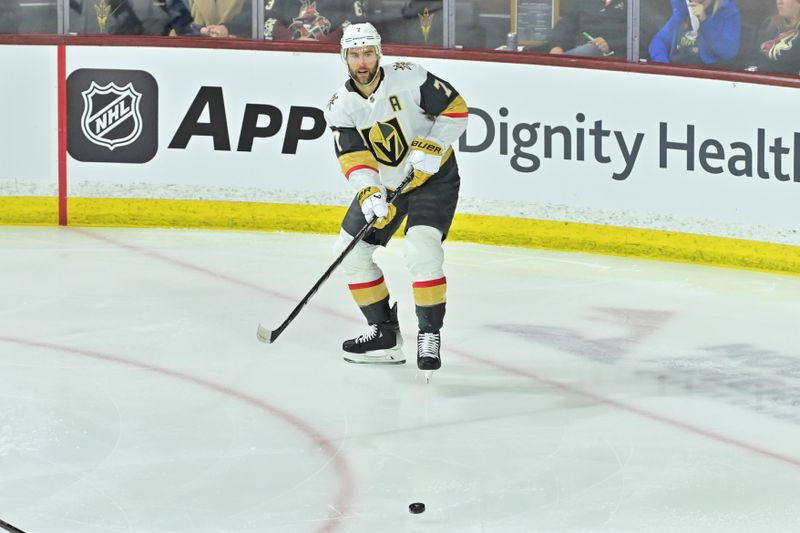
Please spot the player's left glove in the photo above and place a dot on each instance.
(425, 158)
(374, 206)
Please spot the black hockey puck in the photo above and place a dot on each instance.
(416, 508)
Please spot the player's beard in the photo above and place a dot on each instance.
(370, 75)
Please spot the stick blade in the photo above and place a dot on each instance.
(265, 335)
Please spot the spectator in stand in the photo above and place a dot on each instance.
(591, 28)
(126, 21)
(777, 48)
(310, 20)
(210, 18)
(702, 32)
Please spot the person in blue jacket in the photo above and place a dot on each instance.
(714, 41)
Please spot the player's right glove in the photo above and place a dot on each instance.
(373, 204)
(425, 158)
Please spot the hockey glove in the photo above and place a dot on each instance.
(425, 158)
(373, 204)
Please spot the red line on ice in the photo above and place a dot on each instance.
(344, 494)
(570, 389)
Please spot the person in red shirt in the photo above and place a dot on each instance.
(777, 47)
(309, 20)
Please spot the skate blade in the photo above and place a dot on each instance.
(427, 374)
(394, 356)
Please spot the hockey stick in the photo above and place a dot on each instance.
(8, 527)
(268, 336)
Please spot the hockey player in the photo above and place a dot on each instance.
(386, 123)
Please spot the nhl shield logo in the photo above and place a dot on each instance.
(111, 115)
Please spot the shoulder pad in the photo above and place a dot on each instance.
(403, 72)
(336, 109)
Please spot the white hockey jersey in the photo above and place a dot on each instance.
(373, 134)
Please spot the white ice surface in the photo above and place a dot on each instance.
(579, 393)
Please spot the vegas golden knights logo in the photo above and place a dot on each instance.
(386, 142)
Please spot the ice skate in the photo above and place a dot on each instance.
(428, 358)
(382, 345)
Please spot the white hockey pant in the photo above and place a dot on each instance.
(422, 252)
